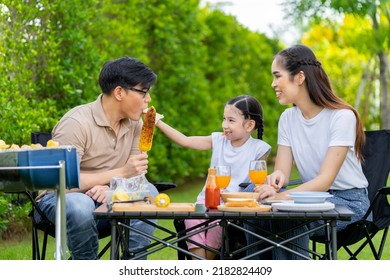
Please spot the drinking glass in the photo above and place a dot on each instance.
(258, 171)
(223, 176)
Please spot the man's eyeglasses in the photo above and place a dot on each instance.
(144, 92)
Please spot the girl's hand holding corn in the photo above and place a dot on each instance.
(158, 116)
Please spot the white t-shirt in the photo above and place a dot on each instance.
(237, 158)
(310, 140)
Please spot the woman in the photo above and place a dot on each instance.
(322, 134)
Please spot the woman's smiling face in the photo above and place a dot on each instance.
(286, 89)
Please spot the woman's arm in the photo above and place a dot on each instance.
(329, 169)
(192, 142)
(327, 174)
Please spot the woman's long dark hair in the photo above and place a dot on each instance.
(251, 109)
(301, 58)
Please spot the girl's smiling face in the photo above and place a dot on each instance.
(236, 128)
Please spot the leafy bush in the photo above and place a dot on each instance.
(3, 218)
(14, 219)
(51, 53)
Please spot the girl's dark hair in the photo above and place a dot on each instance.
(301, 58)
(251, 110)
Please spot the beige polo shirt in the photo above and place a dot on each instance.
(87, 128)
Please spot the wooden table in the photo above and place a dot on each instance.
(224, 219)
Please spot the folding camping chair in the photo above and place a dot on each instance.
(376, 168)
(45, 225)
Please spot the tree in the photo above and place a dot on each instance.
(47, 58)
(52, 52)
(376, 45)
(333, 42)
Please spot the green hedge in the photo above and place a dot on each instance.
(51, 53)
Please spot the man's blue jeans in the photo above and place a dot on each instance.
(82, 229)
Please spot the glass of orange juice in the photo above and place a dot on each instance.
(223, 176)
(258, 171)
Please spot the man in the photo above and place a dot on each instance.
(105, 133)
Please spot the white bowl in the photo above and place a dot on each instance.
(310, 197)
(246, 195)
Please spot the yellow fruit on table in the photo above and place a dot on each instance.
(120, 196)
(162, 200)
(52, 143)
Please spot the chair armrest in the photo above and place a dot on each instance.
(163, 186)
(384, 190)
(244, 185)
(291, 183)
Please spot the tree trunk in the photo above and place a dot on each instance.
(361, 87)
(384, 90)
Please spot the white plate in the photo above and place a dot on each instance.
(270, 201)
(310, 197)
(303, 207)
(312, 194)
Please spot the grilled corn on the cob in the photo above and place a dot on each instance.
(146, 138)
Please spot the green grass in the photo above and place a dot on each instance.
(21, 250)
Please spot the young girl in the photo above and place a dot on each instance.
(234, 147)
(322, 134)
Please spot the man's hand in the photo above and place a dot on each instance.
(136, 165)
(98, 193)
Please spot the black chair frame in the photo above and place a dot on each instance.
(376, 169)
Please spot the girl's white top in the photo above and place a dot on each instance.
(237, 158)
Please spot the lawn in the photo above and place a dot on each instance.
(21, 250)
